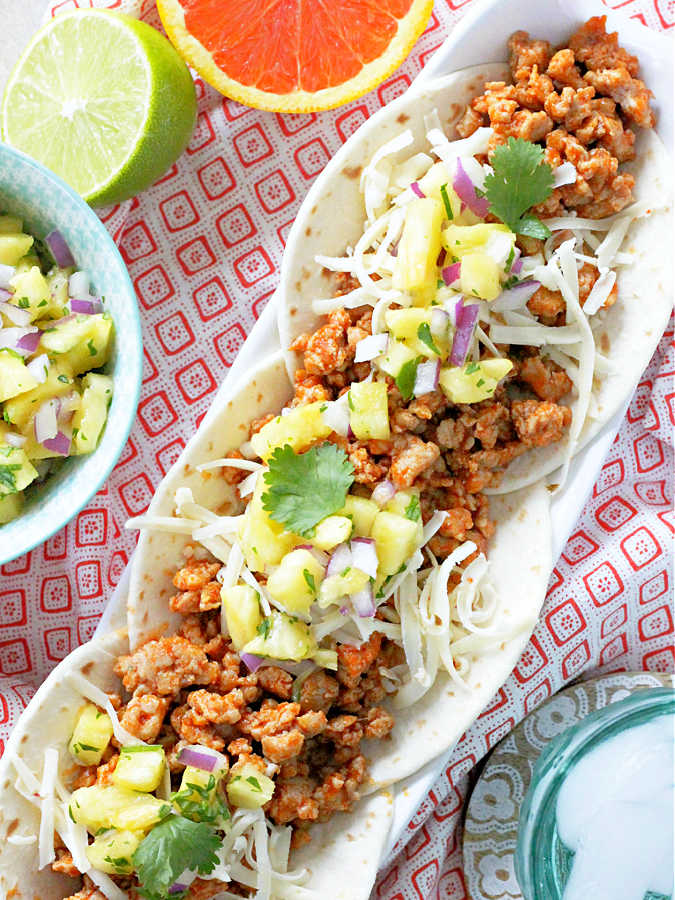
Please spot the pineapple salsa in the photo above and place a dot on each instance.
(53, 336)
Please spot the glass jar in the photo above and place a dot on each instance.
(542, 861)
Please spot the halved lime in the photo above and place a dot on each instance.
(103, 100)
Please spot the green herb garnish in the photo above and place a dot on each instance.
(446, 202)
(171, 847)
(424, 334)
(412, 510)
(520, 180)
(405, 380)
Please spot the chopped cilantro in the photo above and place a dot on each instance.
(424, 334)
(510, 282)
(446, 201)
(5, 416)
(509, 259)
(63, 379)
(91, 347)
(309, 579)
(323, 407)
(78, 747)
(520, 180)
(24, 302)
(349, 400)
(171, 847)
(480, 382)
(412, 510)
(8, 478)
(472, 368)
(264, 628)
(255, 784)
(42, 303)
(202, 803)
(405, 380)
(345, 572)
(439, 284)
(302, 489)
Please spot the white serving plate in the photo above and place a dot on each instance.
(481, 37)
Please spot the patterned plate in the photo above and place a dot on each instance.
(491, 826)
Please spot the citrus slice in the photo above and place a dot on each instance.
(103, 100)
(294, 55)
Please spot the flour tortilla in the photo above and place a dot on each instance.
(332, 218)
(519, 555)
(342, 857)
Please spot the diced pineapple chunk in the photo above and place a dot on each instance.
(396, 539)
(474, 381)
(242, 613)
(459, 240)
(11, 225)
(407, 504)
(10, 507)
(362, 512)
(248, 788)
(21, 409)
(369, 410)
(335, 587)
(83, 343)
(15, 378)
(89, 420)
(91, 735)
(331, 531)
(479, 276)
(99, 807)
(140, 767)
(409, 325)
(282, 637)
(418, 249)
(302, 427)
(13, 247)
(198, 778)
(294, 584)
(395, 358)
(57, 280)
(430, 185)
(202, 788)
(31, 292)
(263, 540)
(112, 851)
(16, 470)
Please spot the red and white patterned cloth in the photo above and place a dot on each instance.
(203, 247)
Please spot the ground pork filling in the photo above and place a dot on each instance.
(192, 688)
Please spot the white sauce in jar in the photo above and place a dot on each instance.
(615, 813)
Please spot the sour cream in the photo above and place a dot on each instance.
(615, 813)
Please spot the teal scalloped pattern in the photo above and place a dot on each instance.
(29, 190)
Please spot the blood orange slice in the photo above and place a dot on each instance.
(294, 55)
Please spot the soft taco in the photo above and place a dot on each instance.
(506, 220)
(100, 801)
(399, 622)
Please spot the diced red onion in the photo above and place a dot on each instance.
(69, 318)
(336, 416)
(14, 440)
(370, 347)
(450, 274)
(251, 661)
(362, 602)
(466, 191)
(517, 262)
(203, 758)
(344, 610)
(29, 341)
(319, 555)
(59, 249)
(59, 444)
(44, 423)
(68, 406)
(178, 887)
(15, 314)
(564, 174)
(383, 492)
(39, 367)
(417, 190)
(515, 297)
(426, 378)
(78, 285)
(341, 559)
(440, 320)
(364, 555)
(85, 307)
(465, 322)
(6, 273)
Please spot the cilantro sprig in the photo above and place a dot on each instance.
(520, 180)
(302, 489)
(171, 847)
(405, 380)
(202, 803)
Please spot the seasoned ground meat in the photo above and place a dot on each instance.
(144, 716)
(539, 424)
(89, 891)
(165, 667)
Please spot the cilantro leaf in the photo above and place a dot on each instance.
(302, 489)
(202, 803)
(424, 334)
(412, 510)
(8, 478)
(405, 380)
(309, 580)
(446, 202)
(171, 847)
(520, 180)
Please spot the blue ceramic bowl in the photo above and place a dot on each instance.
(45, 202)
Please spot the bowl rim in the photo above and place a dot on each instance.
(94, 222)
